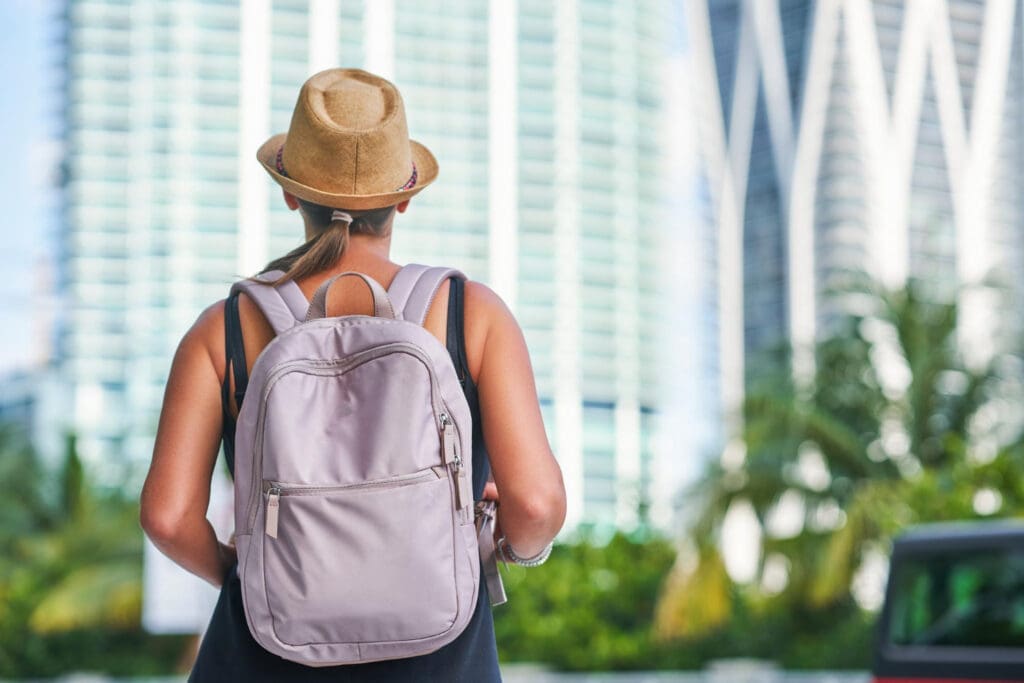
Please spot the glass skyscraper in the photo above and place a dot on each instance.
(545, 118)
(841, 136)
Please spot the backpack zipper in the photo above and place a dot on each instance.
(284, 489)
(275, 490)
(450, 446)
(336, 367)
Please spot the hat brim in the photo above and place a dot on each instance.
(426, 173)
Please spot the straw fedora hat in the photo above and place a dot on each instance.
(348, 144)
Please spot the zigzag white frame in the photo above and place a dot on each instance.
(888, 132)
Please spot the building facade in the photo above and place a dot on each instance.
(852, 136)
(545, 119)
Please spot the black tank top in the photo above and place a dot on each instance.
(228, 651)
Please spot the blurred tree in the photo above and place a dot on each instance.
(70, 572)
(97, 582)
(893, 429)
(589, 607)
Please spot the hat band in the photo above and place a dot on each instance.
(412, 179)
(279, 164)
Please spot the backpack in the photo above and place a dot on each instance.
(354, 513)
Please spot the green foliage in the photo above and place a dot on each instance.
(838, 637)
(70, 573)
(589, 607)
(72, 481)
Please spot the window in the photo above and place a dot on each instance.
(959, 599)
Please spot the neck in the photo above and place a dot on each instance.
(369, 245)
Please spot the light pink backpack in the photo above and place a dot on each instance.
(354, 511)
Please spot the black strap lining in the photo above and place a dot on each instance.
(235, 349)
(455, 336)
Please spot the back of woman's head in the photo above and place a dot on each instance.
(347, 145)
(332, 228)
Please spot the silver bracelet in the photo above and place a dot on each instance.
(508, 555)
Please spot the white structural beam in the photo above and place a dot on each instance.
(568, 396)
(726, 205)
(627, 277)
(949, 99)
(379, 37)
(254, 128)
(887, 250)
(682, 258)
(767, 28)
(908, 95)
(503, 148)
(324, 35)
(888, 137)
(743, 113)
(803, 304)
(976, 255)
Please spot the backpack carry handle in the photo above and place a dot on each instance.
(382, 307)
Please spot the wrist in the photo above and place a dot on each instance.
(508, 555)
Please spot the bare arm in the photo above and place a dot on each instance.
(526, 474)
(176, 494)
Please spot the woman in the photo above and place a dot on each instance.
(347, 166)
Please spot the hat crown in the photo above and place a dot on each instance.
(348, 135)
(351, 100)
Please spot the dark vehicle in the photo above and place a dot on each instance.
(954, 606)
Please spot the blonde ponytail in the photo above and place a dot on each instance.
(326, 248)
(317, 254)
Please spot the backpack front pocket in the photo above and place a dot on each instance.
(342, 565)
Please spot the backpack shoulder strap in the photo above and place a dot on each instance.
(403, 284)
(283, 306)
(414, 287)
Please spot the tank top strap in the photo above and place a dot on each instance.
(235, 347)
(455, 336)
(234, 364)
(456, 343)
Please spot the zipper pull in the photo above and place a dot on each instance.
(455, 472)
(273, 505)
(464, 488)
(449, 444)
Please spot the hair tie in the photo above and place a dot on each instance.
(340, 215)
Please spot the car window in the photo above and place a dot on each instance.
(958, 598)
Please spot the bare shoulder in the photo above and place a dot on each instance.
(484, 304)
(490, 325)
(246, 306)
(206, 335)
(210, 323)
(486, 314)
